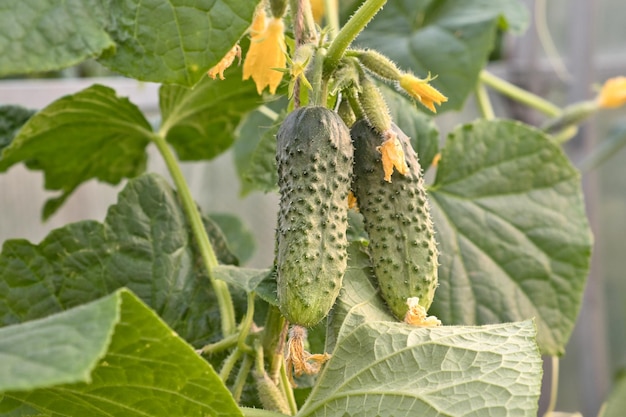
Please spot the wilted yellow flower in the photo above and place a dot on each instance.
(298, 360)
(352, 204)
(416, 316)
(225, 62)
(420, 90)
(613, 93)
(393, 156)
(267, 51)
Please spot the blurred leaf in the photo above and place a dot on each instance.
(448, 38)
(513, 235)
(40, 35)
(174, 42)
(608, 148)
(12, 118)
(114, 357)
(356, 228)
(92, 134)
(200, 123)
(239, 238)
(255, 149)
(386, 369)
(416, 125)
(145, 244)
(222, 250)
(616, 403)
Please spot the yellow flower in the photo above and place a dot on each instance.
(420, 90)
(613, 93)
(317, 7)
(392, 155)
(225, 62)
(267, 51)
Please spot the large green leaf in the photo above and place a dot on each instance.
(110, 357)
(200, 123)
(176, 41)
(448, 38)
(92, 134)
(513, 236)
(359, 300)
(144, 244)
(40, 35)
(238, 237)
(392, 369)
(12, 118)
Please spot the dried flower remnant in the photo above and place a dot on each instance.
(298, 360)
(422, 91)
(226, 62)
(416, 316)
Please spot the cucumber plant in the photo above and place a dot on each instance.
(149, 312)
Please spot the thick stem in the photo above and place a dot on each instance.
(349, 32)
(483, 101)
(519, 94)
(303, 22)
(320, 85)
(227, 311)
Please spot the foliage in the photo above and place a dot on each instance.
(103, 318)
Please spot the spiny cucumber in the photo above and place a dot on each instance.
(314, 157)
(397, 219)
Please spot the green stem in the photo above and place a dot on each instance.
(554, 386)
(332, 17)
(242, 376)
(259, 412)
(483, 101)
(349, 32)
(229, 364)
(225, 343)
(227, 311)
(320, 86)
(245, 325)
(285, 385)
(272, 331)
(519, 94)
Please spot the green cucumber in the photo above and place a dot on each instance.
(314, 159)
(397, 220)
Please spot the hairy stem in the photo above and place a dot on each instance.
(227, 311)
(349, 32)
(519, 94)
(285, 385)
(225, 343)
(320, 85)
(242, 376)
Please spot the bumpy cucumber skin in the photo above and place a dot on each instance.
(314, 157)
(397, 219)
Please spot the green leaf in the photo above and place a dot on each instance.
(200, 123)
(255, 148)
(12, 118)
(248, 279)
(92, 134)
(513, 236)
(392, 369)
(147, 368)
(359, 300)
(238, 236)
(616, 402)
(145, 244)
(177, 41)
(222, 250)
(416, 125)
(49, 35)
(62, 348)
(448, 38)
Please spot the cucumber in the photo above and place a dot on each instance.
(397, 220)
(314, 158)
